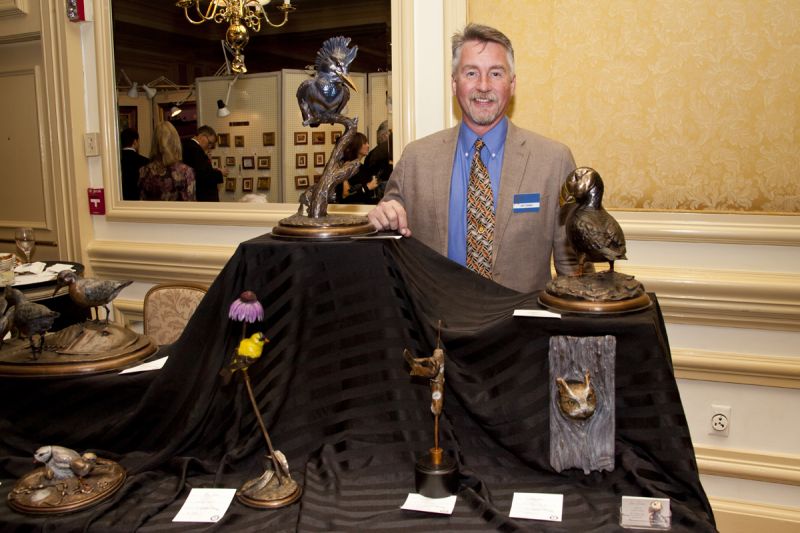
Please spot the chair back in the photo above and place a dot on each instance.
(168, 308)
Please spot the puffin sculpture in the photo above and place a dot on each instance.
(594, 233)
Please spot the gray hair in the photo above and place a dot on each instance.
(383, 131)
(482, 34)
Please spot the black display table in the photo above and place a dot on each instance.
(338, 400)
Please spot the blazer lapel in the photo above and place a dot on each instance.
(441, 173)
(515, 161)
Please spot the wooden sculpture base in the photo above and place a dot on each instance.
(35, 494)
(595, 293)
(91, 347)
(329, 227)
(272, 495)
(436, 475)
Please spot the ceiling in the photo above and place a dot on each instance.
(152, 38)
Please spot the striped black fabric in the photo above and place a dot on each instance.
(338, 401)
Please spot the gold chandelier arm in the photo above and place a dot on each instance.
(211, 11)
(285, 19)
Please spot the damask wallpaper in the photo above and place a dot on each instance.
(680, 105)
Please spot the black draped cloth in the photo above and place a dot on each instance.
(338, 401)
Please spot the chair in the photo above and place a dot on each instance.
(168, 308)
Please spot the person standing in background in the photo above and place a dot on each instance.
(195, 154)
(130, 163)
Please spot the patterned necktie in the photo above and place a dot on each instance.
(480, 216)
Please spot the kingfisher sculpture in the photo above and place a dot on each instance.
(322, 100)
(323, 97)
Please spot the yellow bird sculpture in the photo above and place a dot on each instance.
(248, 351)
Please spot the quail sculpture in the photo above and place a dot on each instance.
(88, 292)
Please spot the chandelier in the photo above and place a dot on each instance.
(239, 15)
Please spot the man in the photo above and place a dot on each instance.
(130, 163)
(509, 228)
(195, 154)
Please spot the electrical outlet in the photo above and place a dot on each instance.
(91, 144)
(720, 421)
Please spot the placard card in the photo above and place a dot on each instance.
(205, 505)
(418, 502)
(536, 313)
(537, 506)
(156, 364)
(645, 513)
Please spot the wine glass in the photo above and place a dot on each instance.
(25, 241)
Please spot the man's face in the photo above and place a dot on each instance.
(483, 84)
(209, 142)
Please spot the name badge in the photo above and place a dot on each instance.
(526, 203)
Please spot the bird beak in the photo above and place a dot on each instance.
(565, 196)
(347, 81)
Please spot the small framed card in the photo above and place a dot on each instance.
(248, 162)
(247, 184)
(263, 162)
(230, 161)
(268, 138)
(238, 141)
(223, 140)
(301, 161)
(263, 183)
(216, 161)
(301, 182)
(300, 137)
(318, 137)
(230, 184)
(335, 136)
(319, 159)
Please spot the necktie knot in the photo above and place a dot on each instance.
(479, 144)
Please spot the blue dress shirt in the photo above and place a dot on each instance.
(492, 157)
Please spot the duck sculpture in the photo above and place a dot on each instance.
(90, 292)
(594, 233)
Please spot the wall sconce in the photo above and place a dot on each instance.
(222, 105)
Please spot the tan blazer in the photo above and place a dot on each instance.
(524, 242)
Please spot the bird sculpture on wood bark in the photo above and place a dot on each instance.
(323, 97)
(30, 318)
(594, 233)
(89, 292)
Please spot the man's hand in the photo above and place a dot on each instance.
(390, 215)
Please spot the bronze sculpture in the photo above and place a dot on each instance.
(67, 482)
(322, 100)
(596, 236)
(436, 474)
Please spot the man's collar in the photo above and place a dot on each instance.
(494, 138)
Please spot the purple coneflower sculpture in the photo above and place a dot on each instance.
(275, 487)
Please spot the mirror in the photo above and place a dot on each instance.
(155, 45)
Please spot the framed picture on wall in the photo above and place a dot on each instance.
(230, 161)
(247, 184)
(263, 183)
(335, 136)
(317, 137)
(301, 182)
(230, 184)
(248, 162)
(268, 138)
(300, 137)
(238, 141)
(319, 159)
(216, 161)
(317, 177)
(263, 162)
(301, 161)
(128, 116)
(223, 140)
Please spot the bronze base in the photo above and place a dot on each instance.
(91, 347)
(558, 303)
(272, 496)
(329, 227)
(436, 475)
(34, 494)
